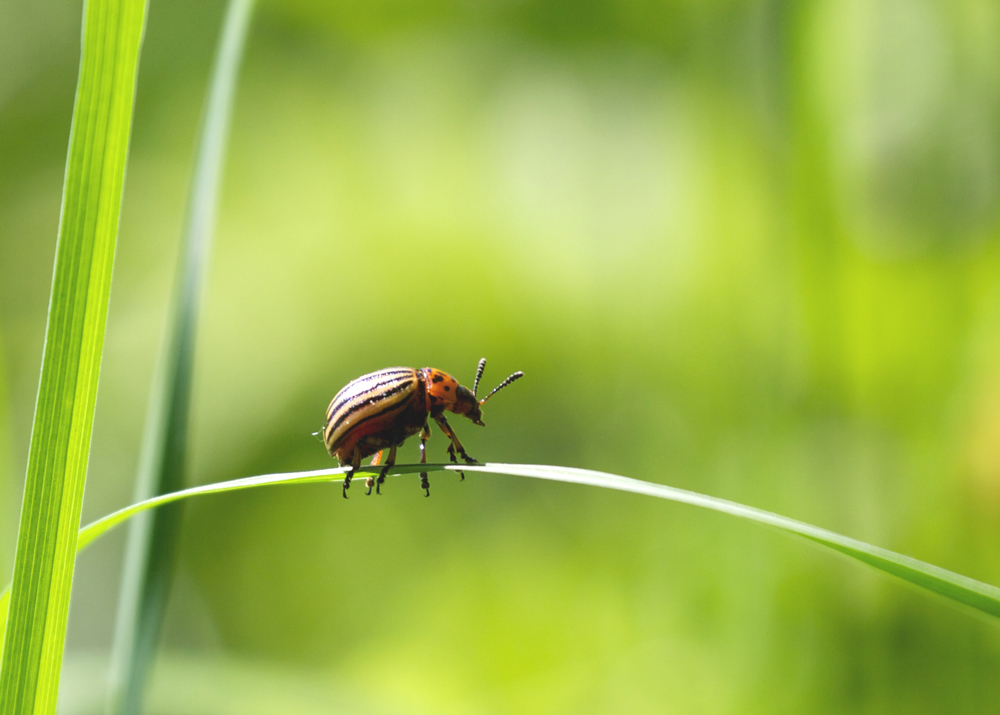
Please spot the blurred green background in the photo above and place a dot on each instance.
(745, 247)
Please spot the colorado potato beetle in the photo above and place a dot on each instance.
(382, 409)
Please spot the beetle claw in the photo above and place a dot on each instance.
(425, 484)
(347, 482)
(385, 471)
(370, 482)
(465, 456)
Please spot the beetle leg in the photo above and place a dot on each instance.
(355, 463)
(451, 455)
(455, 444)
(385, 470)
(425, 434)
(370, 482)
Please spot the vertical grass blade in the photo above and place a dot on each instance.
(152, 541)
(74, 339)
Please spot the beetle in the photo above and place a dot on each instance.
(380, 410)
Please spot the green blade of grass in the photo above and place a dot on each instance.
(152, 541)
(74, 339)
(954, 587)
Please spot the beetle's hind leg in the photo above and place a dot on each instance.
(425, 434)
(389, 462)
(355, 463)
(370, 482)
(455, 444)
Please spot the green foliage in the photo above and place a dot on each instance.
(78, 307)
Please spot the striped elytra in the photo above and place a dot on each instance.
(382, 409)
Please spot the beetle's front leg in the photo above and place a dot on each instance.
(455, 444)
(451, 455)
(355, 463)
(425, 434)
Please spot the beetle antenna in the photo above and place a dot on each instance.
(479, 374)
(516, 376)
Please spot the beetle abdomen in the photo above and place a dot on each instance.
(366, 409)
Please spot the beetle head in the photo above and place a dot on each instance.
(466, 402)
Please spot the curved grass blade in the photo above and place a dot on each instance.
(955, 587)
(981, 596)
(152, 541)
(74, 339)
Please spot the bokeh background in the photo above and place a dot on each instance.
(745, 247)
